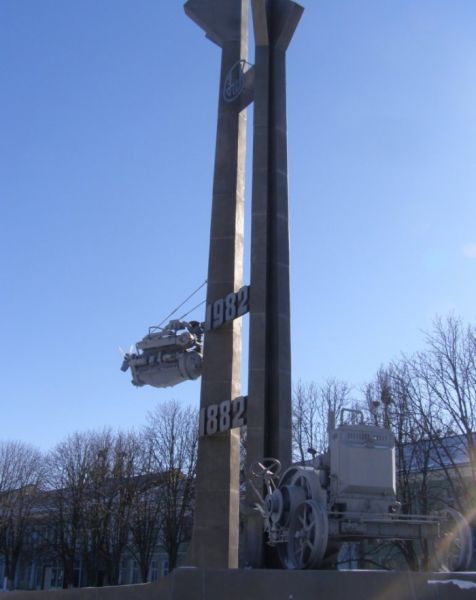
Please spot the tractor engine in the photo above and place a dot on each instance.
(166, 357)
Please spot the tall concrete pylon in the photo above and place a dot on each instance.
(269, 379)
(215, 536)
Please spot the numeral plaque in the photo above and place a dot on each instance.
(234, 305)
(217, 418)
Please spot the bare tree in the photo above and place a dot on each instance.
(122, 489)
(69, 466)
(21, 477)
(173, 434)
(446, 374)
(92, 482)
(146, 518)
(428, 400)
(311, 405)
(111, 489)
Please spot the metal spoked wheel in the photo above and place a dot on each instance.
(264, 471)
(266, 468)
(305, 477)
(308, 536)
(288, 476)
(308, 480)
(455, 547)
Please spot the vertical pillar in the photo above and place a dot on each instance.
(269, 382)
(216, 521)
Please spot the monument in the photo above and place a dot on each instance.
(215, 534)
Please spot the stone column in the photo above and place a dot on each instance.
(269, 383)
(216, 523)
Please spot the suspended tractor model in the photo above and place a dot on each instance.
(349, 495)
(167, 356)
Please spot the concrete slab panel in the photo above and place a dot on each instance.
(255, 584)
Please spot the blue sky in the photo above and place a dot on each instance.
(107, 131)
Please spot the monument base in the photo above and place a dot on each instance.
(238, 584)
(242, 584)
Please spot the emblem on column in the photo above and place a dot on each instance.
(234, 81)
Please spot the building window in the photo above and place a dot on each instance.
(154, 570)
(124, 572)
(135, 572)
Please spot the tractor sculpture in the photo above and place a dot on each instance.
(348, 495)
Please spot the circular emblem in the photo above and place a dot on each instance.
(234, 81)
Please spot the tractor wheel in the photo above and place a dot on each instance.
(308, 536)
